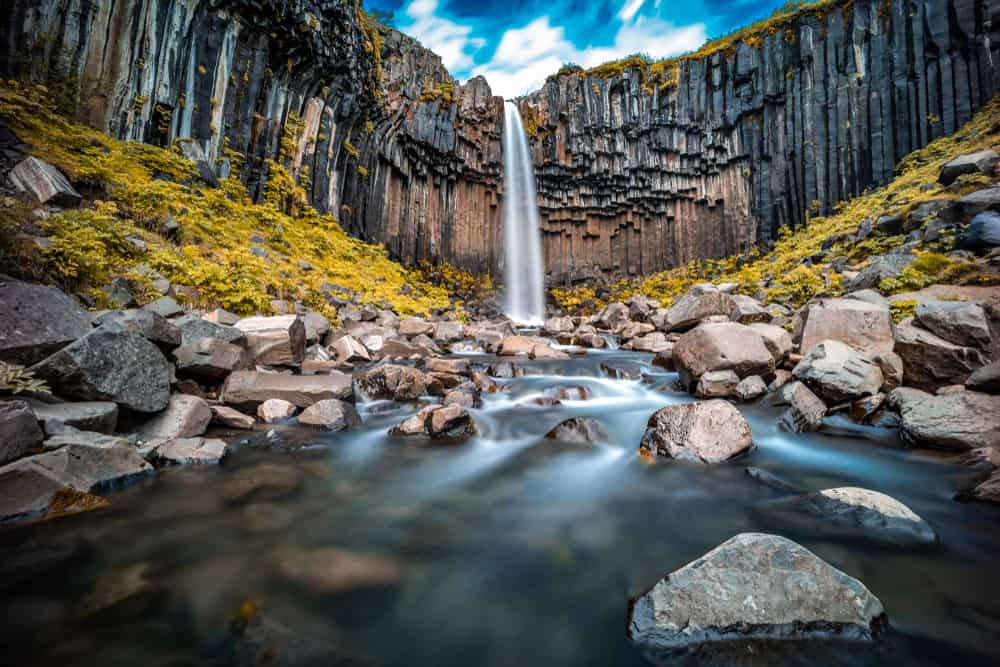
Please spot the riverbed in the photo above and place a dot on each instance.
(513, 549)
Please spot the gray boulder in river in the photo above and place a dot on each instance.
(754, 586)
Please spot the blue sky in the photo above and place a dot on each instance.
(515, 44)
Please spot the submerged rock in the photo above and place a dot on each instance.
(578, 429)
(709, 432)
(754, 586)
(329, 571)
(875, 515)
(267, 481)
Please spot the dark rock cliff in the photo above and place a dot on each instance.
(752, 137)
(631, 179)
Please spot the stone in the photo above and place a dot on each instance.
(93, 416)
(450, 421)
(210, 360)
(328, 571)
(655, 342)
(19, 431)
(889, 225)
(718, 384)
(693, 307)
(578, 429)
(517, 346)
(110, 365)
(194, 328)
(349, 349)
(165, 306)
(266, 481)
(614, 316)
(568, 392)
(331, 415)
(805, 410)
(750, 388)
(862, 410)
(879, 268)
(250, 388)
(891, 365)
(930, 361)
(401, 349)
(776, 339)
(192, 451)
(982, 234)
(635, 329)
(959, 322)
(43, 182)
(543, 351)
(981, 162)
(665, 358)
(185, 417)
(231, 418)
(275, 341)
(754, 586)
(221, 316)
(557, 325)
(871, 296)
(874, 515)
(838, 372)
(465, 395)
(954, 421)
(274, 410)
(710, 432)
(747, 310)
(864, 326)
(985, 379)
(392, 382)
(454, 366)
(37, 321)
(720, 347)
(150, 325)
(622, 370)
(449, 332)
(414, 326)
(980, 201)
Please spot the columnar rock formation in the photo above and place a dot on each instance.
(754, 136)
(632, 177)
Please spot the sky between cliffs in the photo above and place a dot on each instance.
(515, 44)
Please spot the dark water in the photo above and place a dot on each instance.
(516, 550)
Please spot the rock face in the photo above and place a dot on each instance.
(754, 586)
(110, 365)
(36, 321)
(631, 178)
(709, 432)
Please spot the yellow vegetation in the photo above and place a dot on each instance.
(785, 266)
(140, 189)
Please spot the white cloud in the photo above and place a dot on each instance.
(527, 55)
(452, 41)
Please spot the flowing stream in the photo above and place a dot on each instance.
(523, 270)
(513, 549)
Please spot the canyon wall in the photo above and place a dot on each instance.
(632, 177)
(368, 121)
(788, 122)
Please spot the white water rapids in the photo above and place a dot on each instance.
(523, 269)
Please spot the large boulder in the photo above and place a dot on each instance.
(754, 586)
(558, 325)
(393, 382)
(930, 361)
(980, 201)
(872, 514)
(93, 416)
(36, 321)
(185, 417)
(805, 409)
(19, 430)
(43, 182)
(110, 365)
(331, 415)
(709, 432)
(194, 328)
(959, 322)
(981, 162)
(719, 347)
(958, 420)
(983, 233)
(777, 340)
(747, 310)
(695, 306)
(210, 360)
(275, 341)
(838, 372)
(613, 317)
(864, 326)
(148, 324)
(248, 389)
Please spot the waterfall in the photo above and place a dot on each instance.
(523, 270)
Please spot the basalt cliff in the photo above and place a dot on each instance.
(637, 170)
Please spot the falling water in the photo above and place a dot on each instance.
(522, 231)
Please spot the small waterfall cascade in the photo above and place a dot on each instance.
(523, 271)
